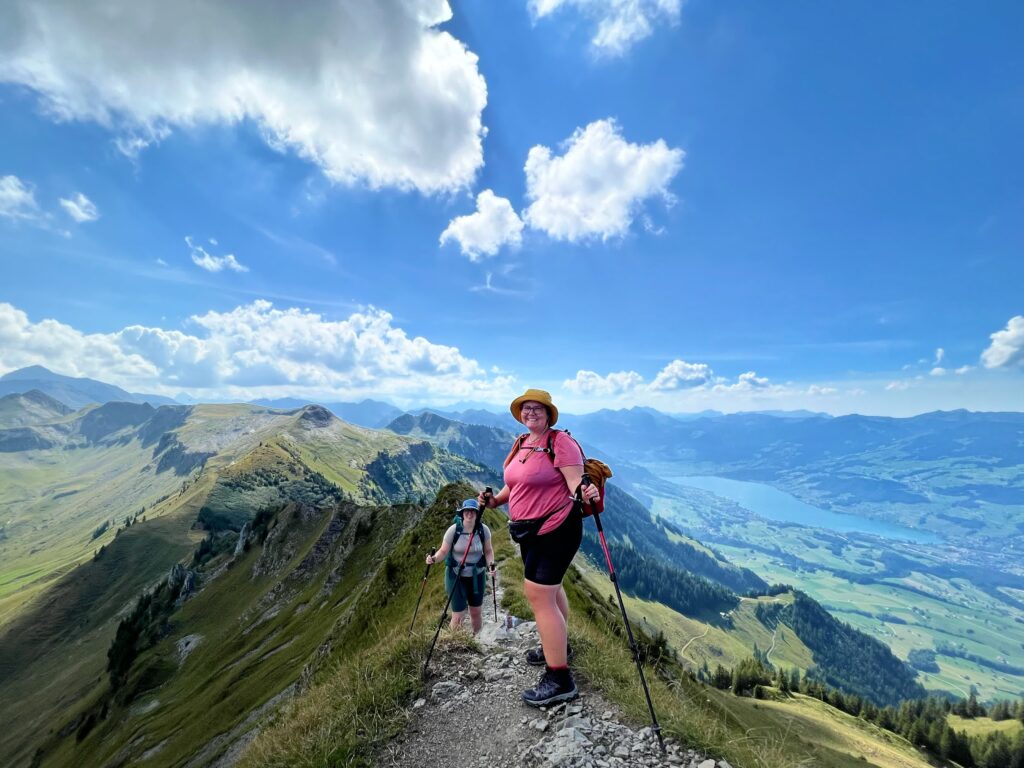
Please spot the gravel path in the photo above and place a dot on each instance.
(473, 716)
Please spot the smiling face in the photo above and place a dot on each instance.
(469, 517)
(534, 415)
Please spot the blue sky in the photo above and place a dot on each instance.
(737, 206)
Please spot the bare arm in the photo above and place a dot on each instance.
(489, 552)
(573, 477)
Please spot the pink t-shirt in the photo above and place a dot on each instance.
(536, 486)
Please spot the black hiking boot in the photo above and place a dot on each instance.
(555, 685)
(535, 656)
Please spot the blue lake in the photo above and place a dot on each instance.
(769, 502)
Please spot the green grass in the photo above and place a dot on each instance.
(748, 733)
(980, 726)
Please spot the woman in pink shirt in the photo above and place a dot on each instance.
(549, 528)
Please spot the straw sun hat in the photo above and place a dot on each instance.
(538, 396)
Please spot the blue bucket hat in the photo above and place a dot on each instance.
(472, 504)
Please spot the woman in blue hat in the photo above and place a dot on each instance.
(467, 587)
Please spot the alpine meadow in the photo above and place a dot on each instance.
(598, 383)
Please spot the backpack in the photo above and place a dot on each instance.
(451, 562)
(595, 469)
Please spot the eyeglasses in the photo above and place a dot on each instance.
(532, 409)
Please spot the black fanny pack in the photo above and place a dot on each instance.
(521, 530)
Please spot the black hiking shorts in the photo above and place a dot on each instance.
(546, 558)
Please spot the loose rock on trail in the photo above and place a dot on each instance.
(472, 715)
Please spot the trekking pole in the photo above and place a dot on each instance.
(494, 594)
(444, 611)
(625, 619)
(423, 586)
(494, 585)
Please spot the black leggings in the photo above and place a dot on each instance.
(546, 558)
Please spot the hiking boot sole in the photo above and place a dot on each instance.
(567, 696)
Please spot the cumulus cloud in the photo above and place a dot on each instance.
(483, 233)
(369, 92)
(681, 375)
(598, 185)
(620, 23)
(1007, 347)
(253, 349)
(677, 376)
(17, 199)
(202, 258)
(80, 208)
(897, 386)
(590, 383)
(746, 382)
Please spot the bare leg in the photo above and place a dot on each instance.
(457, 617)
(563, 603)
(476, 616)
(551, 624)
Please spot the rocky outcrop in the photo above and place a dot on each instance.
(181, 581)
(174, 455)
(243, 535)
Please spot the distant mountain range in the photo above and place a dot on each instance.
(72, 392)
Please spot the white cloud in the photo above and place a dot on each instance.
(17, 199)
(369, 92)
(818, 390)
(597, 187)
(620, 23)
(938, 371)
(746, 382)
(940, 356)
(1007, 347)
(681, 375)
(897, 386)
(964, 369)
(80, 208)
(254, 350)
(483, 233)
(590, 383)
(211, 263)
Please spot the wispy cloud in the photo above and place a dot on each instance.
(80, 208)
(621, 24)
(17, 199)
(202, 258)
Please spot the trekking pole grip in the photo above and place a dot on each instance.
(585, 482)
(488, 494)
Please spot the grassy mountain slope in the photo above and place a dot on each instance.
(253, 459)
(32, 407)
(314, 612)
(104, 463)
